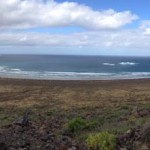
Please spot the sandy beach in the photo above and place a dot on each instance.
(51, 105)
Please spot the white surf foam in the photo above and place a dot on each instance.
(108, 64)
(127, 63)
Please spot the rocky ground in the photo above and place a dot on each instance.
(24, 135)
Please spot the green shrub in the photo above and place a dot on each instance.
(101, 141)
(77, 124)
(49, 113)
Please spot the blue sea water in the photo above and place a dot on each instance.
(74, 67)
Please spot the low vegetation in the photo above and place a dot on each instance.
(101, 141)
(77, 124)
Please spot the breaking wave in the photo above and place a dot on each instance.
(108, 64)
(128, 63)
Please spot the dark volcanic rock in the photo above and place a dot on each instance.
(135, 139)
(3, 146)
(24, 121)
(145, 134)
(20, 136)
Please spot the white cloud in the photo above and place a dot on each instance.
(24, 14)
(111, 40)
(35, 13)
(144, 24)
(145, 27)
(146, 31)
(41, 39)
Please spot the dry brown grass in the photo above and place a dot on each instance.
(85, 97)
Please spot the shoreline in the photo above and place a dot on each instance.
(72, 79)
(76, 83)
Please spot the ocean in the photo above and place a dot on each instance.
(61, 67)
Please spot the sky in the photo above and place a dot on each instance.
(75, 27)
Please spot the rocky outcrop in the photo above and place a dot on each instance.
(135, 139)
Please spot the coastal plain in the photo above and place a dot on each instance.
(50, 106)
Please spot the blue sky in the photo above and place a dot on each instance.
(80, 27)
